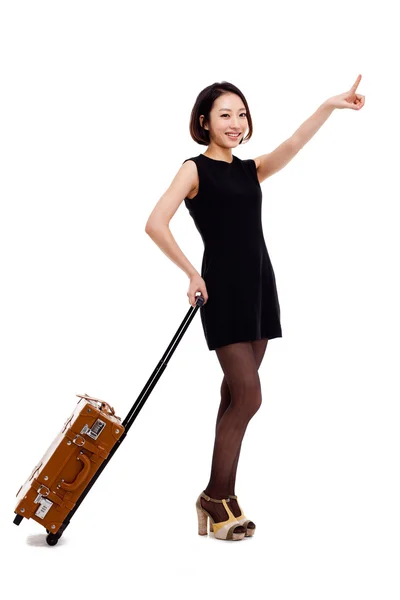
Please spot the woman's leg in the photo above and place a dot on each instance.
(241, 372)
(259, 348)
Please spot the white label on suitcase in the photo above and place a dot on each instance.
(44, 508)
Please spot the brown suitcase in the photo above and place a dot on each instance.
(70, 462)
(89, 438)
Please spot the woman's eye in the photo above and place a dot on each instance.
(226, 115)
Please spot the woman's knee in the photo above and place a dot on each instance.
(246, 395)
(256, 399)
(224, 388)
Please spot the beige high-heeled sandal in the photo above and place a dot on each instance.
(223, 530)
(249, 525)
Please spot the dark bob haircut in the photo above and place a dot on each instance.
(203, 105)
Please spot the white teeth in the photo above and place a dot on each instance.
(233, 134)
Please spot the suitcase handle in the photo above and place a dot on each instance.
(81, 477)
(199, 300)
(105, 407)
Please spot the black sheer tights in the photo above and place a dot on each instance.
(240, 400)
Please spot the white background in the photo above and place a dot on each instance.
(95, 107)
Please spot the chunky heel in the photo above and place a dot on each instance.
(202, 519)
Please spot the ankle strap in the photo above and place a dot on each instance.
(204, 495)
(233, 497)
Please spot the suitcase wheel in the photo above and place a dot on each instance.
(52, 539)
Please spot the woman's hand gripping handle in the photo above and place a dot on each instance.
(197, 284)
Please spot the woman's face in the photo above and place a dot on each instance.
(228, 115)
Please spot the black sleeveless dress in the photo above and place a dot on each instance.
(242, 300)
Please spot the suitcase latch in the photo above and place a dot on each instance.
(44, 506)
(81, 440)
(96, 429)
(46, 493)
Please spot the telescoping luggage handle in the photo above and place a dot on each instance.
(159, 370)
(53, 538)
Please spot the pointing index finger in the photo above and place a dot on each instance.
(355, 84)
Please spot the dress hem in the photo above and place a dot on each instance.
(238, 341)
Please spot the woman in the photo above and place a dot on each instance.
(241, 310)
